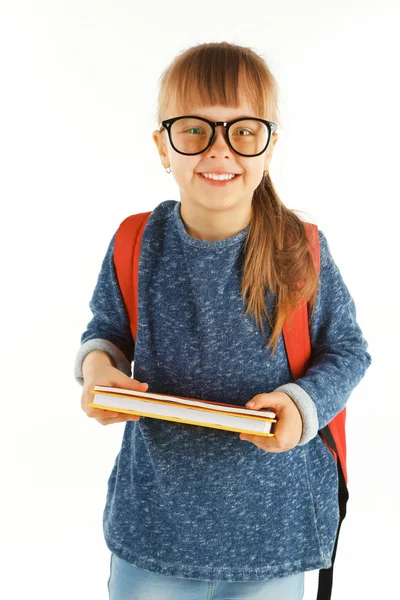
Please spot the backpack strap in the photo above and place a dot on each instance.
(296, 339)
(296, 336)
(298, 349)
(126, 261)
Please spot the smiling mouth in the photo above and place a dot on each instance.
(218, 178)
(222, 183)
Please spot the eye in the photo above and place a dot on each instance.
(242, 129)
(193, 128)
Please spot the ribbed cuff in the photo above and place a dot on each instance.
(119, 358)
(307, 409)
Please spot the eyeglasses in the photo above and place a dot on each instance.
(191, 135)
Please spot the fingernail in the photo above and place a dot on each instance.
(252, 403)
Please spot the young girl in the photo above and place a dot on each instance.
(194, 512)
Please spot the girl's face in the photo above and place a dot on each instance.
(194, 190)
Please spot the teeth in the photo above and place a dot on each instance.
(221, 176)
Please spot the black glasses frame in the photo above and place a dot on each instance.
(213, 124)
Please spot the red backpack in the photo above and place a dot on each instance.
(297, 344)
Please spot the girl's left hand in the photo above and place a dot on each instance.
(289, 427)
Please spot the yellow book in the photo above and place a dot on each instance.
(192, 411)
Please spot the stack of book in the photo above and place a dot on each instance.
(185, 410)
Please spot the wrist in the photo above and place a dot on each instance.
(94, 360)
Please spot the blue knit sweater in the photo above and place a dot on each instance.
(191, 501)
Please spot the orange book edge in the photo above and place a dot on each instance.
(166, 402)
(178, 420)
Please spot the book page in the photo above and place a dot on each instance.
(187, 415)
(267, 412)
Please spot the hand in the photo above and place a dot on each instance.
(111, 377)
(289, 427)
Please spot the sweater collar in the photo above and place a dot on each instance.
(234, 240)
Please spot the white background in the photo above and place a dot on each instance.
(78, 92)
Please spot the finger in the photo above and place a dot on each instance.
(120, 419)
(261, 401)
(126, 416)
(269, 444)
(133, 384)
(140, 383)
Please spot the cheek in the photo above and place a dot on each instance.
(185, 174)
(254, 171)
(184, 167)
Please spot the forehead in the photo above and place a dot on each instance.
(222, 113)
(216, 112)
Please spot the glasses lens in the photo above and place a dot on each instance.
(191, 135)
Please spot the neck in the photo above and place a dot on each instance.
(213, 226)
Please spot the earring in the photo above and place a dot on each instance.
(168, 171)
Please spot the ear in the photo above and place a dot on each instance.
(274, 138)
(270, 149)
(160, 143)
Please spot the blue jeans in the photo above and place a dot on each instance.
(127, 582)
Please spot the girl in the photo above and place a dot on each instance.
(194, 512)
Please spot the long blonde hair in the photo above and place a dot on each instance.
(276, 252)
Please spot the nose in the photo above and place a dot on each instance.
(220, 139)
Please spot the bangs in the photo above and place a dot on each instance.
(215, 74)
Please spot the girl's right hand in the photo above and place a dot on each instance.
(111, 377)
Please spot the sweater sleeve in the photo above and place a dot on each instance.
(339, 357)
(109, 328)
